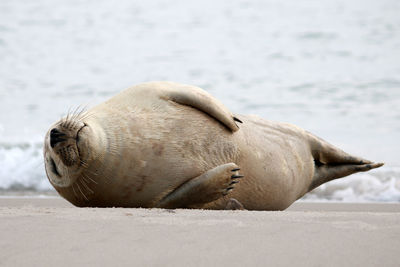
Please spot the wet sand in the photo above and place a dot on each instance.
(51, 232)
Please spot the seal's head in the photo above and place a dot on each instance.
(65, 148)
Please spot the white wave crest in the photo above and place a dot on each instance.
(22, 168)
(380, 185)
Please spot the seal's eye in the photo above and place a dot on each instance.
(53, 167)
(77, 134)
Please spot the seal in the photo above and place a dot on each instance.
(169, 145)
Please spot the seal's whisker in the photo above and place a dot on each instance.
(86, 179)
(84, 109)
(92, 172)
(62, 119)
(90, 179)
(86, 186)
(79, 114)
(84, 189)
(76, 112)
(72, 186)
(73, 189)
(85, 115)
(80, 190)
(70, 117)
(66, 120)
(84, 164)
(67, 115)
(87, 176)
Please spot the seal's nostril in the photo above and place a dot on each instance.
(56, 136)
(54, 167)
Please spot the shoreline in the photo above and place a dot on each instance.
(50, 231)
(55, 201)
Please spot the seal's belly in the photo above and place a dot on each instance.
(151, 155)
(159, 152)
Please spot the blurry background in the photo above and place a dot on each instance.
(331, 67)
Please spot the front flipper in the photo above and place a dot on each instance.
(203, 189)
(198, 98)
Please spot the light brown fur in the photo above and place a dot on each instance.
(160, 144)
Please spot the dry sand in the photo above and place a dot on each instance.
(50, 232)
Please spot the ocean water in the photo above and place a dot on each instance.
(331, 67)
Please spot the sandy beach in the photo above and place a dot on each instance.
(51, 232)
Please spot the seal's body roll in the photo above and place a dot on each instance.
(168, 145)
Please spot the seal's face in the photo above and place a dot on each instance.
(62, 151)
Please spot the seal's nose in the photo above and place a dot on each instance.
(56, 136)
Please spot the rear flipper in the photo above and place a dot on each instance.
(203, 189)
(332, 163)
(326, 173)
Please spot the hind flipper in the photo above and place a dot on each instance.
(326, 173)
(325, 153)
(333, 163)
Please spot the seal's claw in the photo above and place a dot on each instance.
(236, 119)
(237, 176)
(234, 182)
(235, 170)
(227, 191)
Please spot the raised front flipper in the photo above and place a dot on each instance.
(145, 95)
(197, 98)
(203, 189)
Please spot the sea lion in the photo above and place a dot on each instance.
(169, 145)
